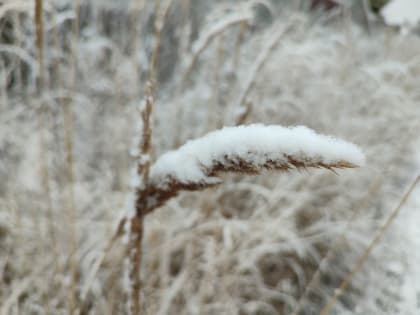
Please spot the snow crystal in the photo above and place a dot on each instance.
(256, 144)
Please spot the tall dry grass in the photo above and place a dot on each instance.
(251, 245)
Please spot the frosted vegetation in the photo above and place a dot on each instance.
(253, 244)
(404, 13)
(253, 145)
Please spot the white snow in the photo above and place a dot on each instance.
(405, 13)
(254, 143)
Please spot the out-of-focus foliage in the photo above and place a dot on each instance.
(249, 247)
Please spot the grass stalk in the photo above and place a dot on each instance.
(215, 119)
(43, 116)
(135, 14)
(68, 142)
(161, 16)
(255, 70)
(20, 77)
(362, 260)
(164, 183)
(238, 44)
(204, 41)
(137, 220)
(373, 189)
(71, 209)
(39, 41)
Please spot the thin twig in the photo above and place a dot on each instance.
(43, 117)
(68, 133)
(207, 38)
(167, 187)
(39, 26)
(165, 180)
(241, 35)
(143, 167)
(256, 68)
(161, 15)
(340, 240)
(137, 220)
(95, 268)
(362, 260)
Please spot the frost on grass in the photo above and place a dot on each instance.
(245, 149)
(403, 13)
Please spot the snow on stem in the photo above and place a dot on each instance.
(205, 40)
(137, 217)
(198, 164)
(243, 149)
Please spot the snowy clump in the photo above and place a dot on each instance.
(403, 13)
(255, 144)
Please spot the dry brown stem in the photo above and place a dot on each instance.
(255, 70)
(135, 257)
(362, 260)
(42, 114)
(166, 187)
(373, 189)
(39, 27)
(68, 139)
(241, 35)
(161, 186)
(208, 38)
(94, 270)
(136, 222)
(161, 15)
(143, 166)
(135, 16)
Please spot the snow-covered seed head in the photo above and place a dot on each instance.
(243, 149)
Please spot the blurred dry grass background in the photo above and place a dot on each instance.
(248, 247)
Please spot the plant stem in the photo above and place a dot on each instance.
(137, 220)
(135, 245)
(379, 236)
(68, 141)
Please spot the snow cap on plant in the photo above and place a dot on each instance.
(245, 149)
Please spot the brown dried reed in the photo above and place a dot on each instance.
(155, 190)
